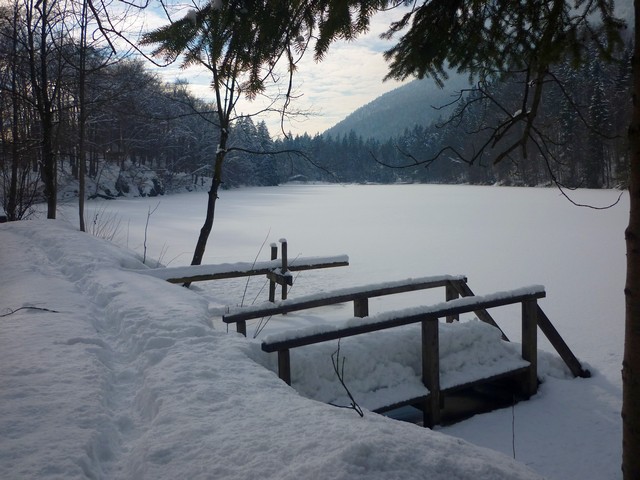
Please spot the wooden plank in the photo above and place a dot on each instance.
(418, 402)
(530, 345)
(431, 371)
(454, 307)
(244, 269)
(561, 347)
(518, 372)
(483, 315)
(333, 298)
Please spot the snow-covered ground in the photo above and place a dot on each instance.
(120, 375)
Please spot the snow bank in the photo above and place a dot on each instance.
(124, 378)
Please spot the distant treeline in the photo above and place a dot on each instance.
(582, 122)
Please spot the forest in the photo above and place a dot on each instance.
(73, 110)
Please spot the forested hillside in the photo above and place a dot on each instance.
(584, 146)
(419, 102)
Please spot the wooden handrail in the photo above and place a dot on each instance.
(397, 319)
(428, 318)
(199, 273)
(340, 296)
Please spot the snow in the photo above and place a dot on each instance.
(127, 376)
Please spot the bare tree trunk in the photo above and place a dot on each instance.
(12, 204)
(205, 231)
(48, 170)
(38, 49)
(82, 116)
(631, 359)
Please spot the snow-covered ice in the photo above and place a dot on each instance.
(114, 374)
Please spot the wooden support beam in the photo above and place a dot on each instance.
(561, 347)
(241, 327)
(530, 345)
(272, 283)
(451, 293)
(431, 371)
(280, 279)
(463, 288)
(284, 366)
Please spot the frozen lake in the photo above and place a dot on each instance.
(500, 238)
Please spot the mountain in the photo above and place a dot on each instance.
(419, 102)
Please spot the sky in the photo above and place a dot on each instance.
(350, 76)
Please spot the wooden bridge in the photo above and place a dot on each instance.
(459, 299)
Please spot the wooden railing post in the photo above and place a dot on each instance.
(561, 347)
(272, 283)
(530, 345)
(431, 371)
(451, 293)
(361, 307)
(285, 267)
(284, 366)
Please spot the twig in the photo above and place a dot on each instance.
(246, 285)
(339, 369)
(11, 312)
(146, 227)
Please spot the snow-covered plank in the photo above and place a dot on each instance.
(356, 326)
(198, 273)
(340, 296)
